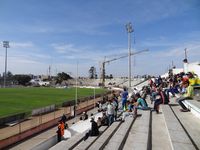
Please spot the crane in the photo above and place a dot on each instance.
(108, 61)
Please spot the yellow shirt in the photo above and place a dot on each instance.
(189, 92)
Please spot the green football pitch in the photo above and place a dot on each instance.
(18, 100)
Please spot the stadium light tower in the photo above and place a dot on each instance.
(129, 29)
(6, 45)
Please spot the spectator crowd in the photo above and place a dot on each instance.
(160, 90)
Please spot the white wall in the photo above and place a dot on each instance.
(195, 67)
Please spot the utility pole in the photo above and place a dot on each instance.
(76, 94)
(6, 45)
(185, 61)
(129, 29)
(49, 72)
(185, 53)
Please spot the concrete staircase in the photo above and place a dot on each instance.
(168, 130)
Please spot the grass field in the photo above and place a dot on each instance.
(17, 100)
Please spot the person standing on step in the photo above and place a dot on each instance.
(110, 112)
(60, 131)
(124, 96)
(115, 103)
(64, 119)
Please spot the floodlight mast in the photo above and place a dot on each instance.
(129, 29)
(6, 45)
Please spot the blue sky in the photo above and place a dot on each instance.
(61, 33)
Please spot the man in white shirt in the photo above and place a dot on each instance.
(110, 112)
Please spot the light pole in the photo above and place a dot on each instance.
(6, 45)
(76, 94)
(129, 29)
(94, 96)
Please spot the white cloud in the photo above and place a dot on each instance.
(15, 45)
(65, 48)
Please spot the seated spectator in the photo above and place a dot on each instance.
(173, 89)
(144, 92)
(94, 130)
(153, 93)
(129, 110)
(188, 95)
(139, 104)
(99, 106)
(99, 122)
(104, 120)
(84, 116)
(159, 99)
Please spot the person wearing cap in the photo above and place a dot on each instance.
(188, 95)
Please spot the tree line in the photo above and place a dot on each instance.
(22, 79)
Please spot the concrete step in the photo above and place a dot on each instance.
(193, 106)
(179, 139)
(138, 135)
(46, 139)
(85, 144)
(104, 138)
(118, 139)
(160, 137)
(70, 143)
(77, 140)
(191, 124)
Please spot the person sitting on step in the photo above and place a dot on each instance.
(139, 104)
(188, 95)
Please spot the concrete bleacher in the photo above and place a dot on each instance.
(85, 144)
(178, 137)
(113, 137)
(70, 143)
(77, 141)
(104, 138)
(193, 106)
(118, 139)
(168, 130)
(138, 135)
(196, 92)
(190, 123)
